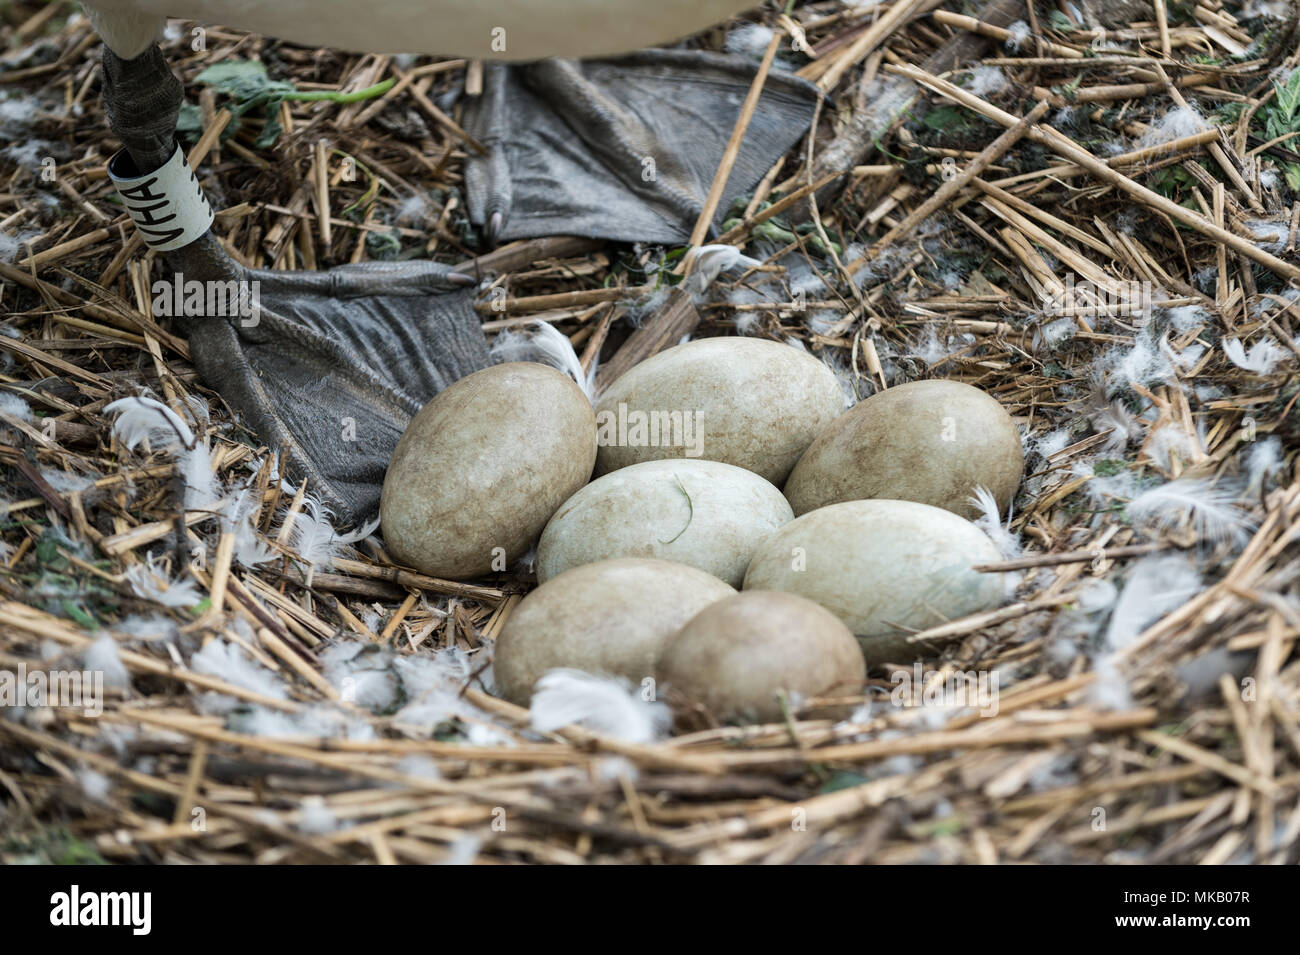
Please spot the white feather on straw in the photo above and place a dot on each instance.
(548, 346)
(104, 656)
(148, 584)
(1007, 543)
(990, 522)
(1212, 510)
(148, 420)
(1110, 690)
(239, 516)
(607, 705)
(1264, 461)
(1155, 586)
(1261, 359)
(313, 537)
(710, 261)
(229, 662)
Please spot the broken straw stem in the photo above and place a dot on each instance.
(945, 193)
(1216, 150)
(714, 197)
(781, 205)
(962, 22)
(1067, 148)
(1072, 557)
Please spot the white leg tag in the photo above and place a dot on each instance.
(167, 205)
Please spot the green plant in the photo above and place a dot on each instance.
(949, 118)
(66, 587)
(1281, 116)
(1170, 180)
(249, 88)
(1059, 22)
(53, 845)
(1067, 90)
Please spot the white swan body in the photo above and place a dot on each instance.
(488, 29)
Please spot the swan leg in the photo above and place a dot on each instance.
(330, 365)
(621, 149)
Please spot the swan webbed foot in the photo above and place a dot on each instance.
(621, 149)
(329, 365)
(333, 364)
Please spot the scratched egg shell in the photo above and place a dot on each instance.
(701, 513)
(750, 402)
(612, 617)
(932, 442)
(886, 568)
(483, 466)
(735, 657)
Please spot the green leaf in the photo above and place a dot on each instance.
(1287, 95)
(842, 779)
(1069, 89)
(53, 845)
(76, 613)
(249, 88)
(1228, 113)
(385, 246)
(189, 122)
(1292, 173)
(1059, 22)
(47, 550)
(947, 826)
(229, 74)
(947, 117)
(1169, 180)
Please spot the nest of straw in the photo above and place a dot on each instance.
(1149, 704)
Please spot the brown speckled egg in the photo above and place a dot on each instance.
(736, 656)
(885, 568)
(483, 466)
(932, 442)
(703, 513)
(753, 403)
(612, 617)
